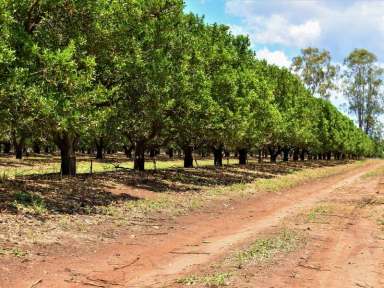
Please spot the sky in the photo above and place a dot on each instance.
(278, 29)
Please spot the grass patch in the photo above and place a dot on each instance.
(172, 204)
(218, 279)
(300, 177)
(375, 173)
(370, 201)
(263, 250)
(260, 252)
(39, 166)
(319, 212)
(17, 252)
(27, 202)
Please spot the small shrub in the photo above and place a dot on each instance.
(215, 280)
(17, 252)
(319, 211)
(29, 203)
(263, 250)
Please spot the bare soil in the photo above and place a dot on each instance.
(349, 252)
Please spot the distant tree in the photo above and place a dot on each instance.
(363, 87)
(316, 70)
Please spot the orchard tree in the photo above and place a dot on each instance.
(192, 110)
(221, 70)
(144, 73)
(51, 43)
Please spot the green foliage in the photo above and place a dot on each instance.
(29, 203)
(264, 250)
(363, 80)
(215, 280)
(316, 71)
(145, 75)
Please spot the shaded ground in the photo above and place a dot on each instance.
(156, 249)
(85, 192)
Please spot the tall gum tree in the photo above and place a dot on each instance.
(316, 70)
(363, 83)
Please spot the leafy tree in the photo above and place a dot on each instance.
(51, 43)
(144, 71)
(363, 87)
(316, 70)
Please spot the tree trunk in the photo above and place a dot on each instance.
(218, 156)
(99, 148)
(329, 156)
(67, 143)
(295, 154)
(139, 161)
(36, 148)
(152, 153)
(18, 151)
(128, 151)
(188, 157)
(7, 147)
(260, 157)
(243, 156)
(285, 154)
(170, 153)
(273, 153)
(18, 146)
(302, 155)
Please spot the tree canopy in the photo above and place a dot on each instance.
(144, 75)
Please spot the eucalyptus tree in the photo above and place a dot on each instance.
(316, 70)
(364, 88)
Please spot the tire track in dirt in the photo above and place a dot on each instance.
(355, 255)
(346, 251)
(202, 237)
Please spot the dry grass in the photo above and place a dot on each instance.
(47, 209)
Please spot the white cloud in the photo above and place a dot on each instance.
(306, 33)
(339, 26)
(276, 29)
(237, 30)
(274, 57)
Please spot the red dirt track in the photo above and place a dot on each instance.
(200, 238)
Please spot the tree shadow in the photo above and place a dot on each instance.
(59, 195)
(81, 194)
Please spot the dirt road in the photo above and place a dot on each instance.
(195, 240)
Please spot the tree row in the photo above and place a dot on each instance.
(144, 75)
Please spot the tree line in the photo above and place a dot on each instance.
(144, 75)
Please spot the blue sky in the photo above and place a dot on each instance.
(278, 29)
